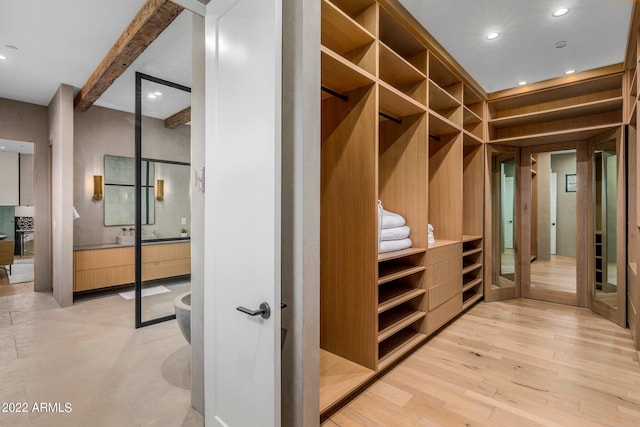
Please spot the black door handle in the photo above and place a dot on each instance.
(264, 311)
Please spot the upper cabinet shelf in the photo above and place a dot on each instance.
(442, 76)
(340, 75)
(573, 110)
(396, 104)
(401, 74)
(340, 33)
(399, 39)
(577, 110)
(345, 36)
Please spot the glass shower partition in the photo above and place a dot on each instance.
(162, 243)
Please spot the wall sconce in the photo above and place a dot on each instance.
(97, 187)
(160, 190)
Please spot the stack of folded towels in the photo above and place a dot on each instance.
(393, 234)
(430, 238)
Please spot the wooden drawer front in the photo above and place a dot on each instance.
(103, 258)
(443, 313)
(167, 251)
(103, 277)
(444, 271)
(444, 291)
(159, 270)
(444, 253)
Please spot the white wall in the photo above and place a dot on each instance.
(61, 137)
(9, 181)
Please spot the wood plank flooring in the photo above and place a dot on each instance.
(513, 363)
(557, 273)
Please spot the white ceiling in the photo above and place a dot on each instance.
(595, 32)
(16, 146)
(63, 41)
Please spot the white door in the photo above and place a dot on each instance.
(242, 212)
(553, 206)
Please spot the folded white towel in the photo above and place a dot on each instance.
(391, 220)
(395, 233)
(394, 245)
(380, 216)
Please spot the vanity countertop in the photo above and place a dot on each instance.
(144, 243)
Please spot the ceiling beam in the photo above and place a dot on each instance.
(151, 20)
(180, 118)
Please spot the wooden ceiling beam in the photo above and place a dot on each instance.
(180, 118)
(151, 20)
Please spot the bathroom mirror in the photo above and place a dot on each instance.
(119, 191)
(605, 204)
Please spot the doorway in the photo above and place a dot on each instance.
(554, 260)
(554, 175)
(17, 212)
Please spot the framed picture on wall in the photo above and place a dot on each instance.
(571, 183)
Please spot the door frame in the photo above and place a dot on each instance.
(582, 226)
(511, 292)
(617, 315)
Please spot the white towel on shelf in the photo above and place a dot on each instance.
(395, 233)
(380, 216)
(394, 245)
(391, 220)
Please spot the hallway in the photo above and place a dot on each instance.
(512, 363)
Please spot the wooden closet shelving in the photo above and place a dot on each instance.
(577, 110)
(401, 126)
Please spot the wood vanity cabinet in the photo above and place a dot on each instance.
(113, 266)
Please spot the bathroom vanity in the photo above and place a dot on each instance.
(104, 266)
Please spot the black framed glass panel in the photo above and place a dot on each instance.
(163, 152)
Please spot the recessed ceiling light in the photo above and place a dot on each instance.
(522, 83)
(3, 58)
(156, 93)
(560, 12)
(152, 96)
(569, 72)
(561, 44)
(10, 46)
(2, 148)
(492, 35)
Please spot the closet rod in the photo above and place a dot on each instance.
(334, 93)
(437, 138)
(393, 119)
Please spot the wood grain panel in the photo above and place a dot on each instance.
(103, 277)
(441, 272)
(402, 173)
(444, 253)
(472, 191)
(165, 252)
(445, 186)
(167, 268)
(444, 291)
(443, 313)
(103, 258)
(348, 227)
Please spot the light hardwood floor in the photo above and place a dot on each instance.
(512, 363)
(557, 273)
